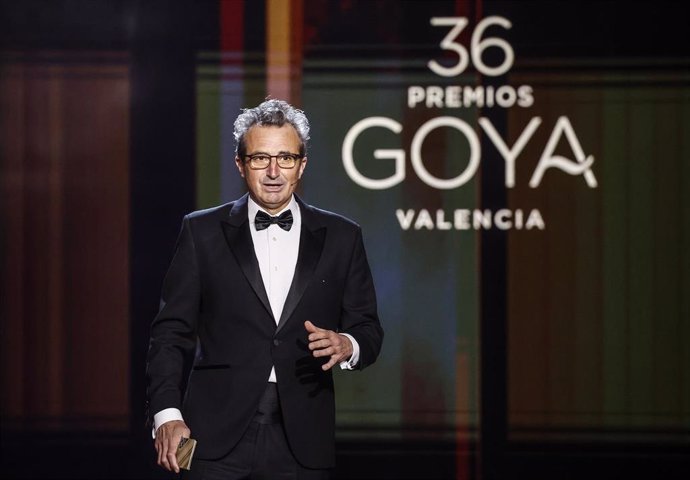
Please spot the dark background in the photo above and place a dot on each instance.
(159, 41)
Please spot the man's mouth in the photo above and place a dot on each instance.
(273, 186)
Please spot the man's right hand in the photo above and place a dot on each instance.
(168, 437)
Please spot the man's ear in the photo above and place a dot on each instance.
(303, 165)
(240, 166)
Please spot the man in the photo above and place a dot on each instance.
(263, 297)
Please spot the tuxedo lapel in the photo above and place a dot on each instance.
(239, 238)
(312, 236)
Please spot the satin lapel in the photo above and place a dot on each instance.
(310, 248)
(239, 238)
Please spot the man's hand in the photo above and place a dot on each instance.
(168, 437)
(326, 343)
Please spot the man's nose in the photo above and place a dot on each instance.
(273, 169)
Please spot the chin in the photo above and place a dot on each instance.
(274, 202)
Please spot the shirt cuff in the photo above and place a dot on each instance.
(164, 416)
(350, 364)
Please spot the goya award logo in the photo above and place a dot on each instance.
(468, 96)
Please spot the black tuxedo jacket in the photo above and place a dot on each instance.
(214, 340)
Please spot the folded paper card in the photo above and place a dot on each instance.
(185, 450)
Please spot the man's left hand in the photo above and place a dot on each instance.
(327, 343)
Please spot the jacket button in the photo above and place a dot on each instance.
(276, 342)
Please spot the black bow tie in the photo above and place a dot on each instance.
(263, 220)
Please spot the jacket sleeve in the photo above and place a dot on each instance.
(359, 316)
(172, 343)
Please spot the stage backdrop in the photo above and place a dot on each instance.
(554, 132)
(520, 171)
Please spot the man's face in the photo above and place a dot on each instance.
(271, 187)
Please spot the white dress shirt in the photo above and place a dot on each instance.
(276, 250)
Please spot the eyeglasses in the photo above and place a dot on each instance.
(259, 161)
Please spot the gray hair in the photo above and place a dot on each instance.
(271, 113)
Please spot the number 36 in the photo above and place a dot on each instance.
(477, 47)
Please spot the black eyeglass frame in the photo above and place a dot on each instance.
(295, 159)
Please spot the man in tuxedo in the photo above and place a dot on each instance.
(264, 296)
